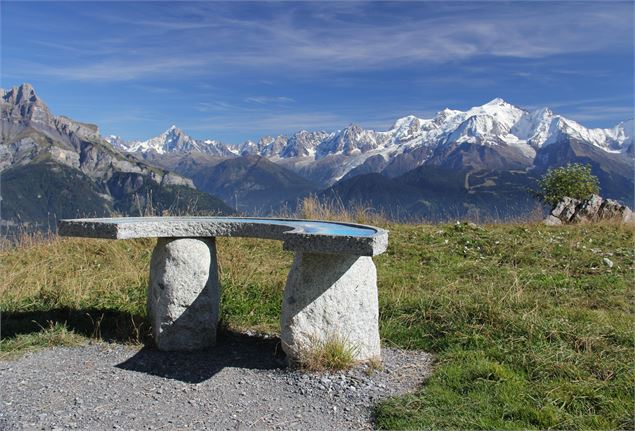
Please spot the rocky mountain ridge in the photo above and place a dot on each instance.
(29, 130)
(476, 162)
(173, 140)
(58, 167)
(494, 135)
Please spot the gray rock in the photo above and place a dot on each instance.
(565, 209)
(608, 262)
(595, 208)
(331, 297)
(613, 210)
(184, 293)
(552, 220)
(588, 210)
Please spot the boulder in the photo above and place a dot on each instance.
(570, 210)
(613, 210)
(552, 220)
(588, 210)
(565, 209)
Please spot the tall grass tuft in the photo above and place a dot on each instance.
(313, 208)
(332, 354)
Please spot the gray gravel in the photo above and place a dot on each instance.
(240, 384)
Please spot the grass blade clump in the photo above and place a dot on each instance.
(332, 354)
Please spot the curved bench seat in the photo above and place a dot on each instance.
(331, 290)
(310, 235)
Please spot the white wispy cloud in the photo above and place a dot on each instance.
(266, 100)
(586, 102)
(208, 38)
(126, 70)
(600, 113)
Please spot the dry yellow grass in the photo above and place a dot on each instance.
(312, 208)
(333, 353)
(57, 272)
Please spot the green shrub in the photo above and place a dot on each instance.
(574, 180)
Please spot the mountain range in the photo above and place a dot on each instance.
(478, 148)
(479, 163)
(55, 167)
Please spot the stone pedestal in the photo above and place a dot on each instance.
(184, 293)
(329, 296)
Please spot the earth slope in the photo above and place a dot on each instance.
(437, 193)
(251, 184)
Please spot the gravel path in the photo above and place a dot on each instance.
(240, 384)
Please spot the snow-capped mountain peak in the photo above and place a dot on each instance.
(172, 140)
(116, 142)
(175, 140)
(497, 102)
(409, 122)
(411, 141)
(505, 114)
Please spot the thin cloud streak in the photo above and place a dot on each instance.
(270, 123)
(586, 103)
(265, 100)
(118, 70)
(601, 112)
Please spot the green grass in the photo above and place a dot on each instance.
(55, 334)
(530, 328)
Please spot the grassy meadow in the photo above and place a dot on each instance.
(531, 326)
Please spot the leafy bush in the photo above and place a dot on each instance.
(574, 180)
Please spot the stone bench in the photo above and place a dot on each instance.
(331, 290)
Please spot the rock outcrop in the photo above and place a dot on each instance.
(573, 211)
(55, 167)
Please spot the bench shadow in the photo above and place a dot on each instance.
(232, 350)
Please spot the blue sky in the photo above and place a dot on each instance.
(233, 71)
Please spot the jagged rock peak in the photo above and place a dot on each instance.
(23, 95)
(21, 105)
(176, 140)
(19, 94)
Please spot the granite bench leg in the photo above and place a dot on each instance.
(329, 296)
(184, 293)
